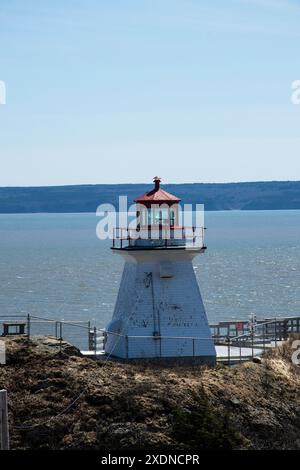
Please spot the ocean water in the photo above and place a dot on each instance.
(54, 266)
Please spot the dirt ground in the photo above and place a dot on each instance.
(61, 400)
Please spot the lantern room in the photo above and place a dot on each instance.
(157, 208)
(158, 224)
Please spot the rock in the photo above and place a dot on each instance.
(235, 401)
(257, 360)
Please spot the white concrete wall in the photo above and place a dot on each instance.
(169, 307)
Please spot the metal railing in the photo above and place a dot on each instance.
(278, 327)
(77, 332)
(157, 346)
(242, 340)
(158, 236)
(248, 339)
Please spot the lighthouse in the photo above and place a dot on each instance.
(159, 312)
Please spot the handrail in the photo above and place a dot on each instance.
(157, 337)
(258, 324)
(150, 228)
(166, 233)
(40, 320)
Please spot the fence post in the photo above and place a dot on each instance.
(89, 333)
(229, 358)
(285, 330)
(4, 434)
(60, 336)
(28, 326)
(95, 340)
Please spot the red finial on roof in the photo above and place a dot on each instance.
(157, 180)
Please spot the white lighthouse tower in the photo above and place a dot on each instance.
(159, 312)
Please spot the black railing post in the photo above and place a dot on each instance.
(285, 330)
(240, 351)
(28, 326)
(95, 340)
(89, 328)
(126, 340)
(60, 336)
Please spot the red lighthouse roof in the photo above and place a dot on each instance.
(157, 195)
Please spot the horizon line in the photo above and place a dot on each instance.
(149, 183)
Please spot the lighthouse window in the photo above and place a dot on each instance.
(172, 217)
(143, 218)
(150, 217)
(158, 217)
(162, 217)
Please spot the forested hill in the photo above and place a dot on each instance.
(215, 196)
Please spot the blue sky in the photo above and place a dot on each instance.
(109, 91)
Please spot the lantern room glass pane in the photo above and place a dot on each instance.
(172, 217)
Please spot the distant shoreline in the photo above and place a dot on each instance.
(266, 195)
(94, 212)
